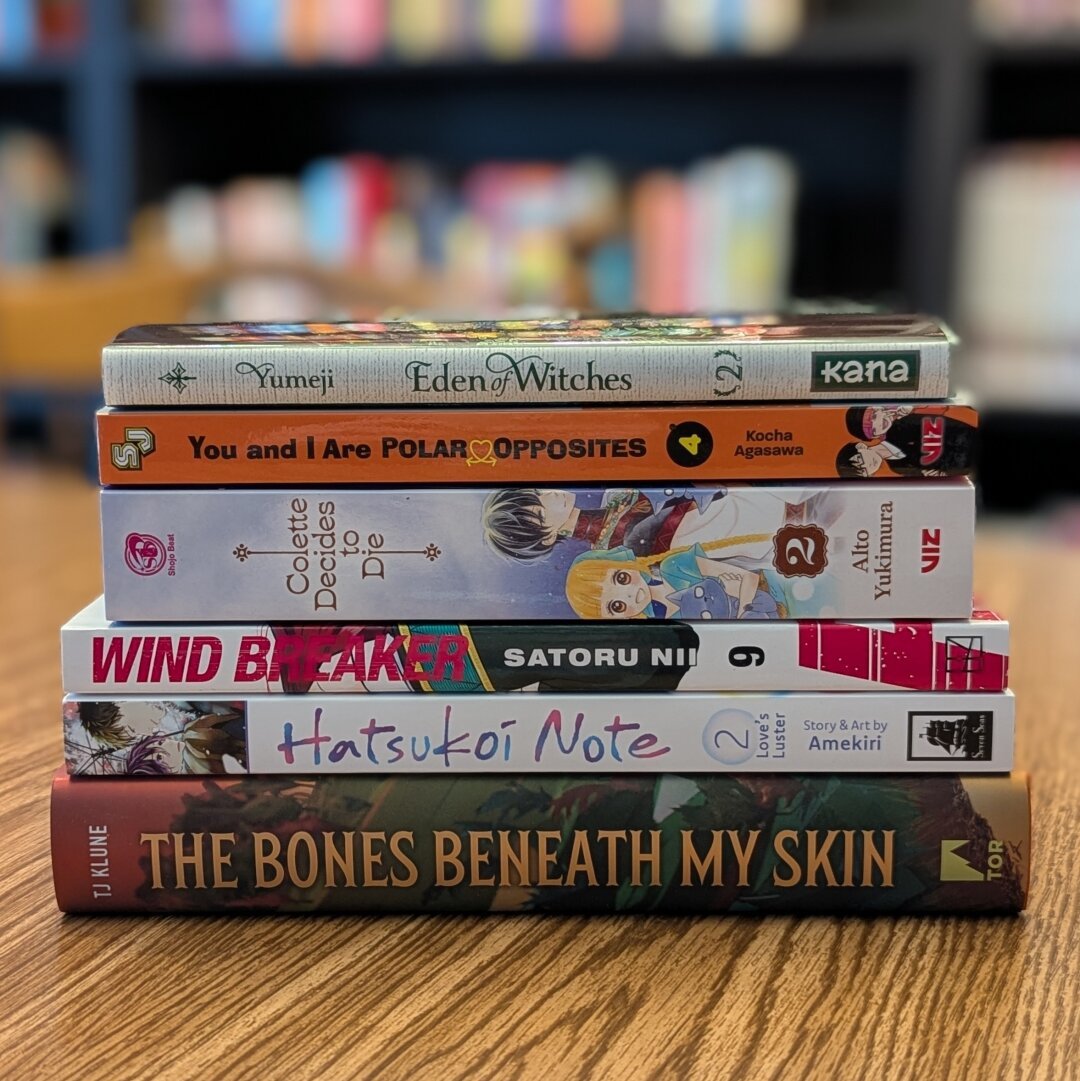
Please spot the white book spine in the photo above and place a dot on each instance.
(188, 660)
(896, 550)
(560, 373)
(387, 734)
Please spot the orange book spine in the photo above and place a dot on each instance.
(522, 446)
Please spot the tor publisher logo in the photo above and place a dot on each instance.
(144, 553)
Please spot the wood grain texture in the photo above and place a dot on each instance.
(507, 997)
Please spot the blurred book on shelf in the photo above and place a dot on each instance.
(32, 28)
(417, 31)
(35, 198)
(715, 237)
(1018, 263)
(1033, 19)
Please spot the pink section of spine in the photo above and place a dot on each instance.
(906, 656)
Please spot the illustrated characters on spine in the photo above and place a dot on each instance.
(905, 441)
(699, 555)
(151, 739)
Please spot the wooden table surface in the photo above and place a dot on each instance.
(475, 997)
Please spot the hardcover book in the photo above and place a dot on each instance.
(561, 361)
(493, 444)
(825, 551)
(626, 733)
(593, 843)
(197, 659)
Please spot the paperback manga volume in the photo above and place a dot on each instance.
(767, 552)
(591, 843)
(542, 444)
(562, 361)
(852, 732)
(198, 659)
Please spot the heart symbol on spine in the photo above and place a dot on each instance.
(690, 443)
(480, 452)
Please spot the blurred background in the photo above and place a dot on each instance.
(170, 160)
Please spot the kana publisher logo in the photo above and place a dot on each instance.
(958, 737)
(144, 553)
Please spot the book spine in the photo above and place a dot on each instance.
(552, 373)
(836, 551)
(101, 658)
(543, 843)
(554, 445)
(393, 734)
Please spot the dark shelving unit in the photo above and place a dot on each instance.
(879, 108)
(881, 104)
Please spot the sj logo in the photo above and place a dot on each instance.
(138, 443)
(800, 551)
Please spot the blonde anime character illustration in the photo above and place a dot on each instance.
(688, 584)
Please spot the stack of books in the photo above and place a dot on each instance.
(624, 614)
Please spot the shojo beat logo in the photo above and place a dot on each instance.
(145, 554)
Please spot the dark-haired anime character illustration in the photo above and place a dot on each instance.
(907, 441)
(527, 523)
(137, 738)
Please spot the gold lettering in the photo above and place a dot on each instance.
(744, 854)
(548, 849)
(155, 841)
(611, 838)
(779, 841)
(372, 860)
(447, 851)
(818, 858)
(222, 859)
(412, 874)
(511, 860)
(267, 850)
(344, 861)
(478, 859)
(302, 837)
(194, 861)
(883, 860)
(580, 860)
(849, 858)
(713, 859)
(638, 856)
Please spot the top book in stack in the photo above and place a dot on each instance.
(622, 359)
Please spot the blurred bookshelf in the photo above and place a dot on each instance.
(885, 111)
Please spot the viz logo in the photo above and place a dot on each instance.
(144, 553)
(931, 550)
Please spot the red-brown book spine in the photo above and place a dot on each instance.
(543, 842)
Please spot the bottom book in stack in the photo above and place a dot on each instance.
(543, 842)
